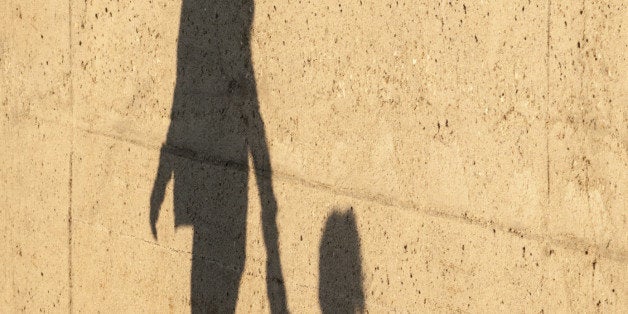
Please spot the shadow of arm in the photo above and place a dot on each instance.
(256, 139)
(164, 173)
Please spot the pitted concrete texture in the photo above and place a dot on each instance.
(456, 156)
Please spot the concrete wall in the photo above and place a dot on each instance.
(481, 147)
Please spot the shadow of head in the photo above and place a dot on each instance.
(340, 266)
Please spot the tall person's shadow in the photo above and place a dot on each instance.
(215, 125)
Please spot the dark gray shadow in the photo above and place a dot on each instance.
(340, 288)
(215, 125)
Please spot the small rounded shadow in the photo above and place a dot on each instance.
(340, 288)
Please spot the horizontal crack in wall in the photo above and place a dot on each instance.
(567, 242)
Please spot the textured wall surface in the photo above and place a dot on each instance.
(465, 156)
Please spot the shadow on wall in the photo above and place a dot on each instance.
(215, 125)
(340, 267)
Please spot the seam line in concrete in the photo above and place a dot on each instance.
(4, 66)
(72, 134)
(548, 100)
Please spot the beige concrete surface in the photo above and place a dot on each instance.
(480, 146)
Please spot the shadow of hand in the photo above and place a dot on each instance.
(164, 173)
(155, 206)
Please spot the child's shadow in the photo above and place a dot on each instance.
(215, 125)
(340, 288)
